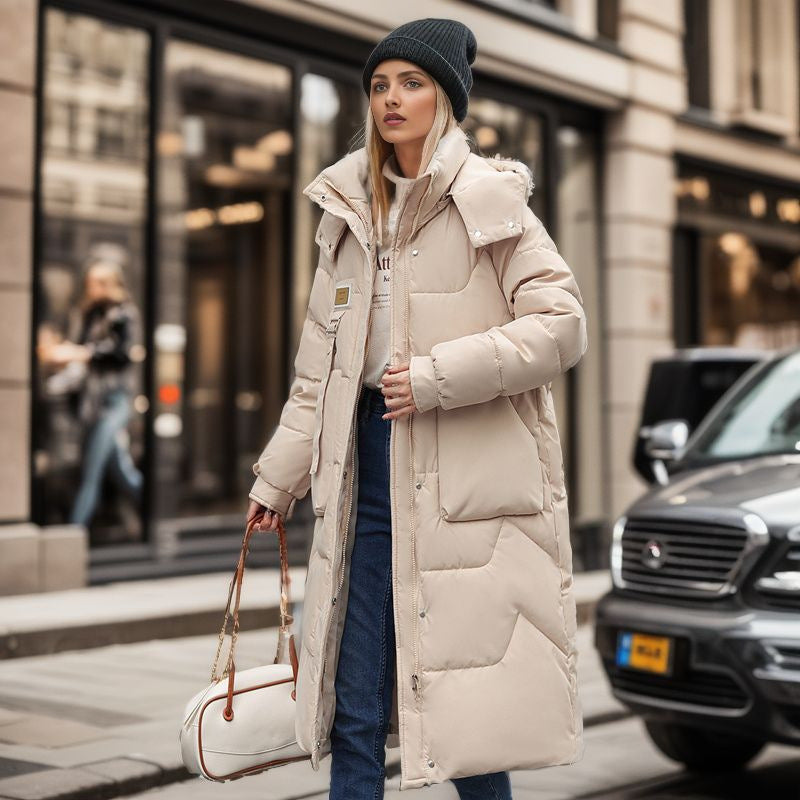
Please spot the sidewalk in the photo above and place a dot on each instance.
(103, 722)
(136, 611)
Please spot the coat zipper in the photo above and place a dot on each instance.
(415, 681)
(350, 492)
(416, 686)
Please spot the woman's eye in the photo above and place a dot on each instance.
(415, 81)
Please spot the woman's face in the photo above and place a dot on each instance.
(402, 90)
(101, 283)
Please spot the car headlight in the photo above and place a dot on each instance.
(615, 557)
(784, 577)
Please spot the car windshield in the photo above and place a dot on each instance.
(762, 418)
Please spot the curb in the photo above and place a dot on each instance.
(23, 644)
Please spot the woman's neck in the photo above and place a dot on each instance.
(409, 157)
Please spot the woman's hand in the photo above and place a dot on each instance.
(62, 353)
(397, 391)
(266, 520)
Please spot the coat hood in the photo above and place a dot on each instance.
(490, 193)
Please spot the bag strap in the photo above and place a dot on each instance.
(234, 597)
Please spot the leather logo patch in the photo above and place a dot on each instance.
(342, 292)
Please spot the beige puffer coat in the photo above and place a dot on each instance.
(488, 314)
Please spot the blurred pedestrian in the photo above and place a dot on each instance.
(443, 616)
(100, 366)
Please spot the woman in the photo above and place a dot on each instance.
(439, 616)
(109, 326)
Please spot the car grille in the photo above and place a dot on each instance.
(697, 687)
(680, 557)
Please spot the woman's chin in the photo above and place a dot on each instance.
(400, 135)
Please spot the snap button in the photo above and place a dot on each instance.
(322, 197)
(344, 474)
(414, 252)
(477, 233)
(510, 224)
(368, 244)
(430, 763)
(422, 613)
(333, 602)
(419, 486)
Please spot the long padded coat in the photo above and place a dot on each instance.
(488, 314)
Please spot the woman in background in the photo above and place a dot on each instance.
(109, 329)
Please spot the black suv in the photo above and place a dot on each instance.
(700, 634)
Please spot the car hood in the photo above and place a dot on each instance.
(768, 486)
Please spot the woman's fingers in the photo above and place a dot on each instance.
(265, 520)
(396, 390)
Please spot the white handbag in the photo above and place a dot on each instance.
(245, 724)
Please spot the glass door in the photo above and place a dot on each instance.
(225, 163)
(90, 400)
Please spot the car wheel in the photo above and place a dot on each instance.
(702, 750)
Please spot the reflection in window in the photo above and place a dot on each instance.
(226, 151)
(751, 293)
(511, 132)
(331, 112)
(88, 447)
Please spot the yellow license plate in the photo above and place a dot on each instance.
(645, 652)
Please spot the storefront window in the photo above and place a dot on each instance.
(330, 114)
(511, 132)
(225, 158)
(737, 271)
(750, 293)
(88, 432)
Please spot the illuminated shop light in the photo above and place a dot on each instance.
(278, 143)
(732, 243)
(223, 175)
(240, 213)
(234, 214)
(170, 338)
(486, 137)
(789, 209)
(698, 188)
(199, 218)
(170, 143)
(167, 426)
(253, 159)
(169, 393)
(758, 204)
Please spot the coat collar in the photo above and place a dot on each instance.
(489, 193)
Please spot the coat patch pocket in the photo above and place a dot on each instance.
(324, 426)
(488, 462)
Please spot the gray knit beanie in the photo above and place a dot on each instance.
(444, 48)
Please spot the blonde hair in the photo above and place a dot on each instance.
(378, 150)
(112, 258)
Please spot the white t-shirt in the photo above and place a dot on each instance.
(378, 357)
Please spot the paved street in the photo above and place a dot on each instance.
(114, 713)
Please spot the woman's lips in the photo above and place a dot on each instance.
(393, 121)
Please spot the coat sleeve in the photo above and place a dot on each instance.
(282, 469)
(546, 336)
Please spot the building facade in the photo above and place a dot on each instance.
(663, 138)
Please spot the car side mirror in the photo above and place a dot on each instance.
(665, 439)
(662, 442)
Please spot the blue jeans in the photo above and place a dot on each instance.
(365, 672)
(103, 451)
